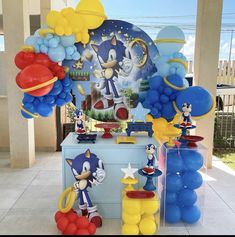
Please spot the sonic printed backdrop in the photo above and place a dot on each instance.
(112, 70)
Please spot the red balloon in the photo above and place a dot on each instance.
(82, 222)
(92, 228)
(82, 232)
(18, 78)
(72, 216)
(58, 215)
(43, 59)
(71, 229)
(24, 59)
(62, 223)
(34, 75)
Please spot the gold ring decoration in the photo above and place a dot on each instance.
(47, 83)
(201, 116)
(71, 196)
(145, 50)
(28, 112)
(168, 40)
(92, 13)
(27, 48)
(173, 86)
(177, 60)
(43, 32)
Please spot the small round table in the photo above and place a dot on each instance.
(192, 140)
(107, 127)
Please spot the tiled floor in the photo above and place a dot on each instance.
(28, 200)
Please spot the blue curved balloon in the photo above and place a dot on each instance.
(193, 160)
(192, 179)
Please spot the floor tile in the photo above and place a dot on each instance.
(48, 177)
(39, 196)
(3, 212)
(172, 231)
(25, 222)
(110, 227)
(9, 195)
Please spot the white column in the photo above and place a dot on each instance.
(21, 130)
(206, 58)
(45, 7)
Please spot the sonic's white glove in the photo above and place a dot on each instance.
(99, 176)
(76, 188)
(98, 73)
(100, 84)
(126, 67)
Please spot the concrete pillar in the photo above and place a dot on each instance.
(45, 128)
(206, 58)
(21, 131)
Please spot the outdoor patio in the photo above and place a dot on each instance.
(28, 200)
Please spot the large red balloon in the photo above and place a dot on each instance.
(82, 222)
(24, 59)
(62, 223)
(34, 75)
(43, 59)
(92, 228)
(71, 229)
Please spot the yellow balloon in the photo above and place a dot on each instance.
(62, 22)
(67, 11)
(85, 38)
(68, 31)
(131, 219)
(150, 216)
(76, 22)
(78, 37)
(52, 18)
(150, 206)
(147, 226)
(130, 229)
(59, 30)
(131, 207)
(92, 11)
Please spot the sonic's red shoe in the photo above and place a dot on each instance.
(81, 131)
(95, 218)
(104, 104)
(148, 170)
(188, 125)
(121, 112)
(183, 124)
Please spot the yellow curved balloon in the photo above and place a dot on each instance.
(71, 196)
(43, 32)
(80, 89)
(52, 18)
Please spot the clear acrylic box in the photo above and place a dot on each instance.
(181, 186)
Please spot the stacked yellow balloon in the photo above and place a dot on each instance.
(139, 215)
(162, 127)
(89, 14)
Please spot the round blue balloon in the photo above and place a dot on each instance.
(171, 198)
(49, 99)
(174, 162)
(68, 98)
(146, 104)
(60, 102)
(62, 95)
(67, 81)
(75, 56)
(173, 183)
(168, 91)
(155, 82)
(28, 98)
(32, 41)
(57, 88)
(175, 82)
(57, 54)
(190, 214)
(192, 179)
(53, 43)
(158, 106)
(44, 109)
(172, 213)
(186, 197)
(198, 97)
(30, 108)
(67, 40)
(164, 99)
(193, 160)
(168, 111)
(152, 96)
(69, 50)
(43, 49)
(36, 102)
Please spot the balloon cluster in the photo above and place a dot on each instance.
(56, 47)
(89, 14)
(71, 224)
(182, 178)
(43, 82)
(168, 88)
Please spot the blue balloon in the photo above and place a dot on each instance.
(60, 102)
(67, 40)
(32, 41)
(161, 88)
(57, 54)
(30, 108)
(152, 96)
(173, 183)
(158, 106)
(57, 88)
(36, 102)
(192, 179)
(68, 98)
(163, 98)
(28, 98)
(44, 110)
(49, 36)
(175, 82)
(69, 50)
(75, 56)
(171, 198)
(146, 104)
(193, 160)
(49, 99)
(40, 41)
(43, 49)
(62, 95)
(168, 91)
(186, 197)
(190, 214)
(155, 82)
(53, 42)
(46, 42)
(186, 83)
(174, 162)
(67, 81)
(168, 111)
(198, 97)
(173, 213)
